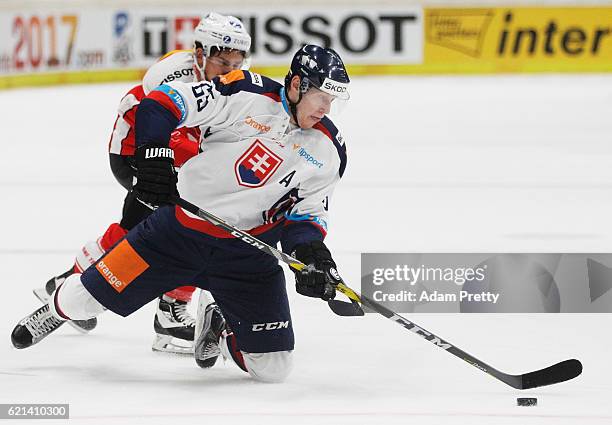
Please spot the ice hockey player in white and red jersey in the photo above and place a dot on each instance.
(221, 45)
(269, 166)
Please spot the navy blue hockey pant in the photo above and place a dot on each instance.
(160, 254)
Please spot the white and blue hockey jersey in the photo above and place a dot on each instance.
(255, 169)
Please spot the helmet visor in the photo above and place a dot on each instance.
(322, 101)
(224, 63)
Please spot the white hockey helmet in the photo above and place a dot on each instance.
(222, 32)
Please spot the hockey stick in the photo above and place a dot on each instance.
(559, 372)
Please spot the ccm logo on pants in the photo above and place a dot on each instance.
(257, 327)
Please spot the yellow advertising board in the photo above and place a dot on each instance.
(526, 39)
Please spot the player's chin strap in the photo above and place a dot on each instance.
(198, 70)
(291, 106)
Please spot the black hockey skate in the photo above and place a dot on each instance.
(34, 327)
(174, 327)
(43, 294)
(211, 325)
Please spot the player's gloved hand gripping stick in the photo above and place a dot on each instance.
(319, 278)
(155, 176)
(559, 372)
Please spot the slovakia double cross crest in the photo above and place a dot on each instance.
(256, 165)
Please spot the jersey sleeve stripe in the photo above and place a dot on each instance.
(312, 223)
(171, 100)
(128, 144)
(122, 138)
(307, 218)
(237, 81)
(232, 77)
(273, 95)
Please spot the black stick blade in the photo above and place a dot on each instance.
(343, 308)
(554, 374)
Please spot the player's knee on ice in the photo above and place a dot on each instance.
(75, 302)
(269, 367)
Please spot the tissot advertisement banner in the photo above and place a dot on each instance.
(106, 38)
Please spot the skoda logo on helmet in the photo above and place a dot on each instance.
(335, 88)
(227, 39)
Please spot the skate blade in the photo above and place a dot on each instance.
(83, 326)
(166, 344)
(209, 361)
(41, 294)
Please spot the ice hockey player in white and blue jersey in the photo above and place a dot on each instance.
(269, 165)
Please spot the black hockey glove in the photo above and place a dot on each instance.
(155, 175)
(319, 278)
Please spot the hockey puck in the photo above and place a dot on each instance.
(526, 401)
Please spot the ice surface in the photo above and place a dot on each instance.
(436, 164)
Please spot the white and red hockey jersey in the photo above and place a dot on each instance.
(174, 66)
(255, 167)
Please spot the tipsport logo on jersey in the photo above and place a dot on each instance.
(255, 167)
(308, 157)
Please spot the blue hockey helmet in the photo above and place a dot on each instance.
(319, 67)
